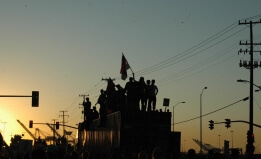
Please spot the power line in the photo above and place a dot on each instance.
(168, 62)
(187, 57)
(195, 73)
(199, 64)
(213, 111)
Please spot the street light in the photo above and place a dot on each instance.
(173, 113)
(232, 138)
(244, 81)
(219, 141)
(184, 147)
(250, 148)
(201, 119)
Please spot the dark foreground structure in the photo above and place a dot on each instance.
(129, 132)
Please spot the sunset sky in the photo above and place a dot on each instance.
(63, 48)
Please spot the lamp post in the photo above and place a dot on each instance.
(232, 138)
(184, 149)
(173, 113)
(244, 81)
(201, 119)
(219, 141)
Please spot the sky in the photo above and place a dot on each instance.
(64, 49)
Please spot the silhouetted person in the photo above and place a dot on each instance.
(130, 91)
(191, 154)
(86, 108)
(136, 96)
(110, 94)
(95, 113)
(147, 95)
(141, 93)
(87, 113)
(102, 100)
(120, 98)
(153, 94)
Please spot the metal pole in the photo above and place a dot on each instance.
(173, 113)
(232, 138)
(15, 96)
(219, 141)
(250, 147)
(201, 123)
(184, 146)
(173, 118)
(251, 80)
(54, 140)
(201, 120)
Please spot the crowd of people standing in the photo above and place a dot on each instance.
(141, 95)
(135, 96)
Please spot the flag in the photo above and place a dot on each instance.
(124, 67)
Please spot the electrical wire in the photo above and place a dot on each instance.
(200, 64)
(167, 62)
(212, 111)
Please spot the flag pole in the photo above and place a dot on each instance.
(129, 66)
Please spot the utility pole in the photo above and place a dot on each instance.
(63, 121)
(84, 96)
(250, 65)
(54, 140)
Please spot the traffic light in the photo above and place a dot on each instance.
(30, 124)
(250, 148)
(57, 125)
(228, 123)
(211, 124)
(35, 98)
(250, 137)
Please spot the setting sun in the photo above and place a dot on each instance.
(8, 125)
